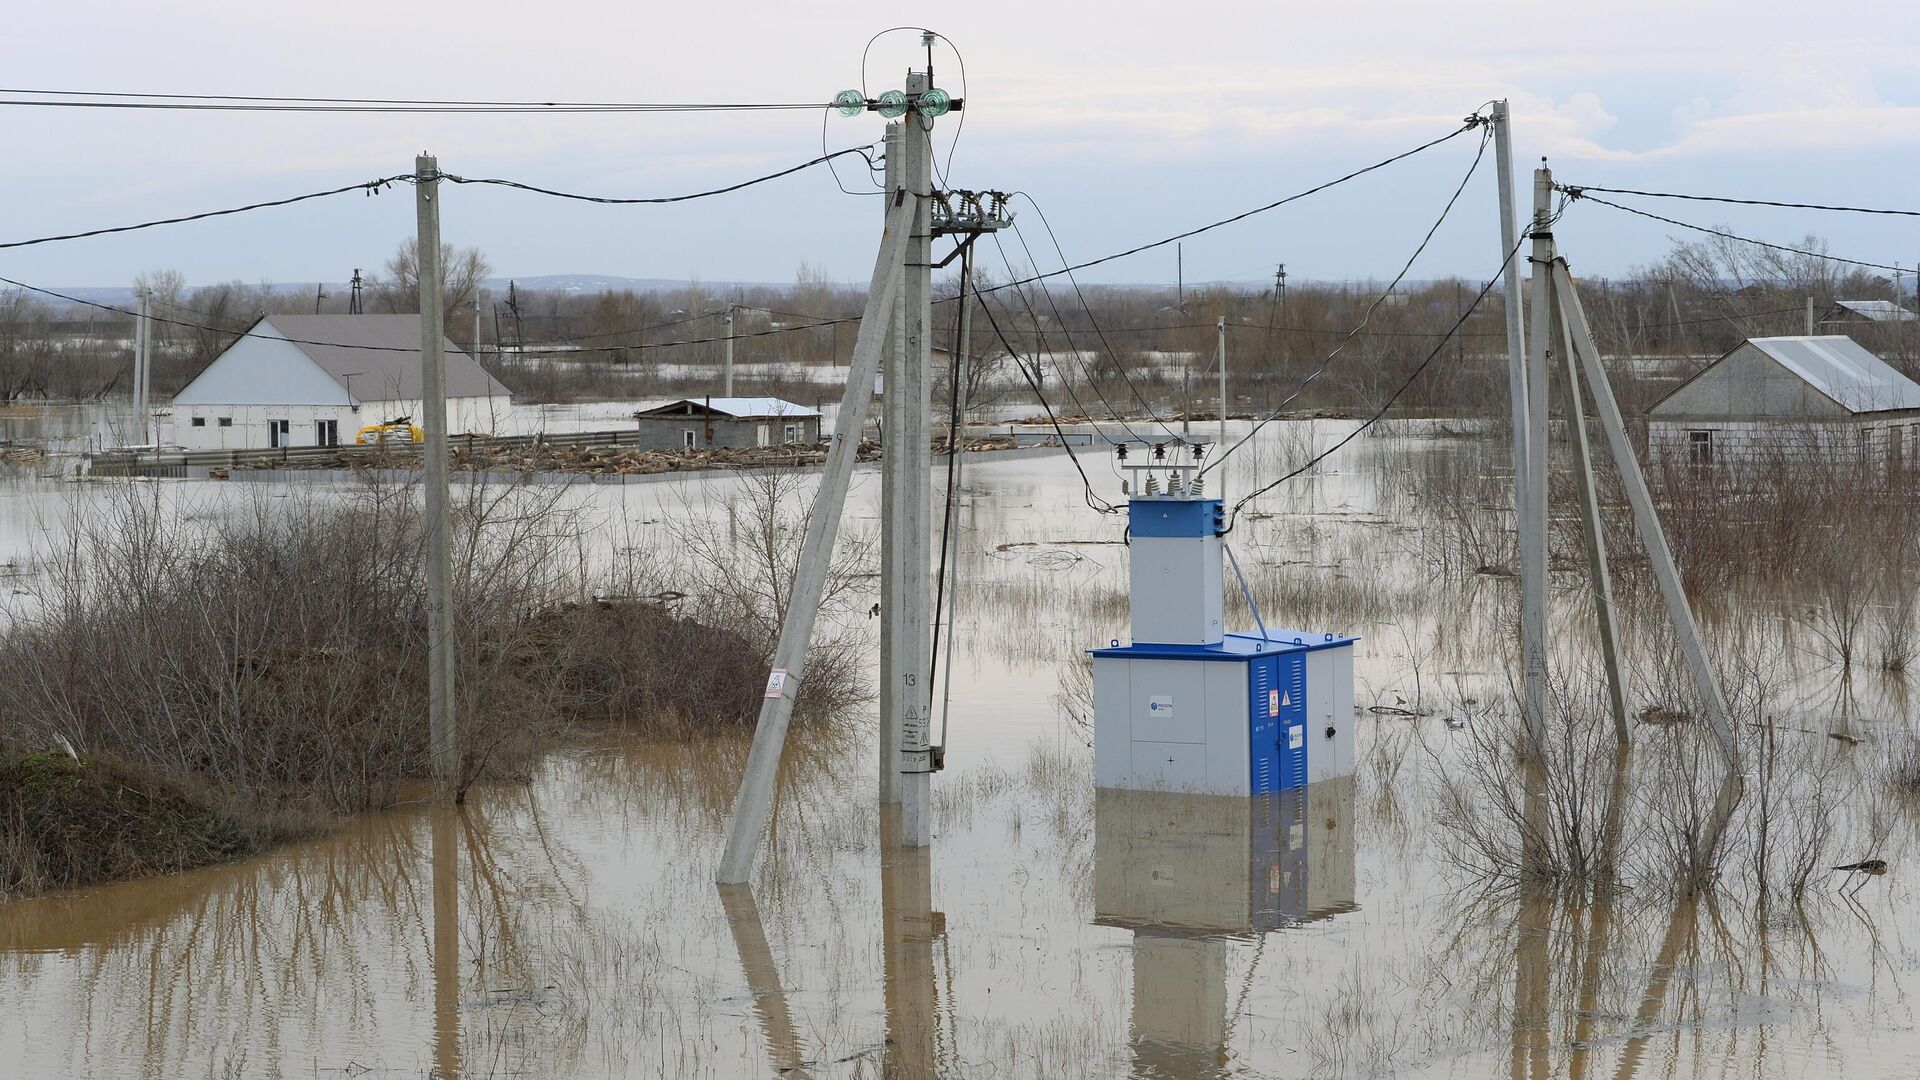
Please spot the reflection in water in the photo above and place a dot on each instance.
(447, 822)
(763, 980)
(909, 926)
(1188, 872)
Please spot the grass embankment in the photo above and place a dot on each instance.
(180, 693)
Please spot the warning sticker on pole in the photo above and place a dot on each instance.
(777, 683)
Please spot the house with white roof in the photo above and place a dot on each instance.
(315, 380)
(712, 422)
(1785, 399)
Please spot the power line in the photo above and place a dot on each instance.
(661, 199)
(1724, 234)
(371, 187)
(1093, 501)
(1486, 135)
(1471, 122)
(1084, 306)
(1576, 191)
(1438, 348)
(103, 99)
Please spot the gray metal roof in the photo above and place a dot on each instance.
(1839, 368)
(1876, 310)
(378, 373)
(740, 408)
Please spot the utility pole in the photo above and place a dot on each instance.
(726, 369)
(475, 343)
(439, 542)
(142, 360)
(1222, 325)
(892, 479)
(1533, 510)
(1809, 314)
(915, 447)
(319, 294)
(1532, 647)
(753, 806)
(353, 300)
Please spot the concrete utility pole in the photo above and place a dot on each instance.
(1532, 511)
(912, 619)
(1809, 314)
(142, 361)
(753, 806)
(892, 477)
(439, 540)
(1516, 342)
(1221, 488)
(726, 368)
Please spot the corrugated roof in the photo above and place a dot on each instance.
(743, 408)
(1877, 310)
(378, 373)
(1839, 368)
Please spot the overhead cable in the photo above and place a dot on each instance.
(1093, 501)
(660, 199)
(102, 99)
(1725, 235)
(1579, 190)
(1471, 122)
(370, 187)
(1486, 136)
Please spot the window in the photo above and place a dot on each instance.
(1700, 447)
(279, 433)
(762, 432)
(225, 421)
(689, 438)
(326, 433)
(198, 421)
(790, 433)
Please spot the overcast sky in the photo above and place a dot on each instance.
(1126, 123)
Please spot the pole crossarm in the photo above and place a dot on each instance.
(753, 806)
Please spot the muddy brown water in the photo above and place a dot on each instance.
(570, 927)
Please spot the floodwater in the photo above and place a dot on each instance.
(570, 927)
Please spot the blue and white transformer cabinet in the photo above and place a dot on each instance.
(1189, 707)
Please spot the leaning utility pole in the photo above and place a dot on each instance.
(1557, 305)
(753, 806)
(892, 478)
(439, 541)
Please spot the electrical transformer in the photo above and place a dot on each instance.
(1186, 706)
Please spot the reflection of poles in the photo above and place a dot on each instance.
(909, 925)
(446, 943)
(1532, 975)
(1680, 926)
(763, 980)
(1600, 917)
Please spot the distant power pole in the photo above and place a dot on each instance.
(439, 541)
(143, 367)
(353, 301)
(726, 369)
(319, 294)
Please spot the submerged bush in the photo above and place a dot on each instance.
(271, 666)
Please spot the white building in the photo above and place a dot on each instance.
(1786, 399)
(315, 380)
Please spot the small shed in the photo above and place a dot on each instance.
(315, 380)
(1786, 399)
(705, 423)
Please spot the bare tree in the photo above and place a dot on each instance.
(461, 271)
